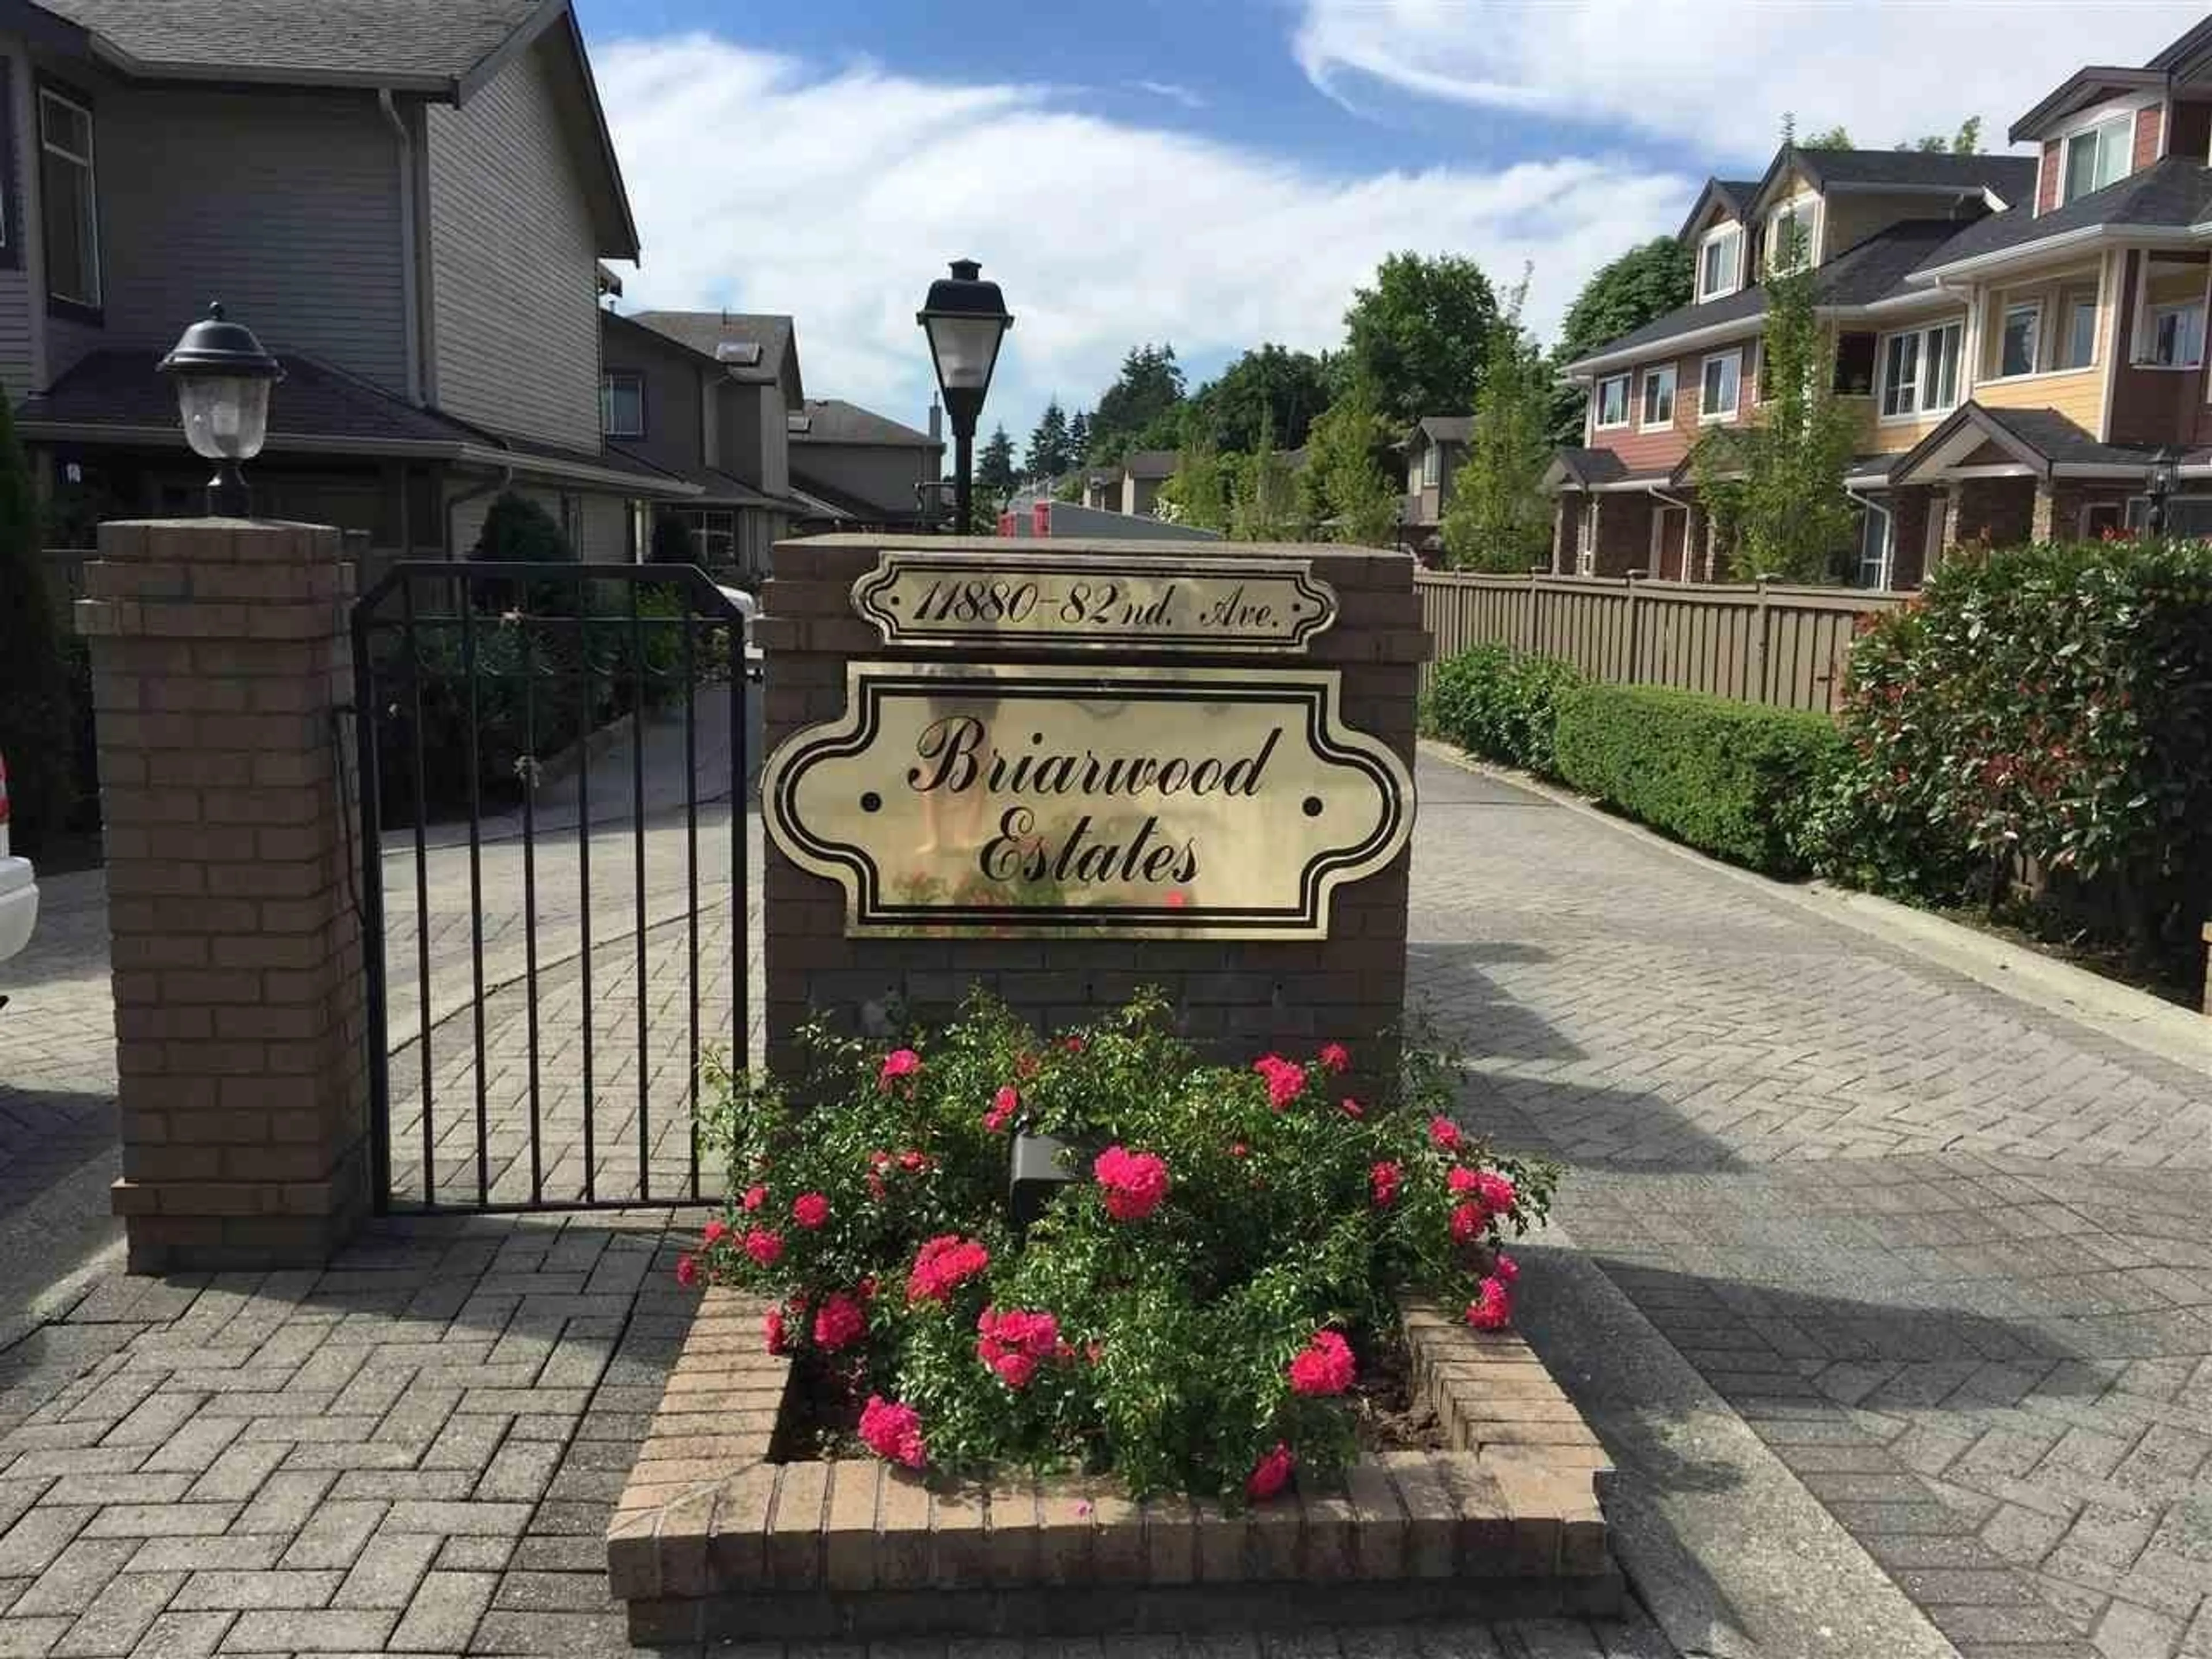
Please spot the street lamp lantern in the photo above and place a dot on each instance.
(222, 378)
(966, 318)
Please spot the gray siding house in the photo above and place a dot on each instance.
(709, 406)
(407, 200)
(864, 464)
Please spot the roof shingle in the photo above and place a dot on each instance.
(707, 332)
(364, 40)
(834, 421)
(2173, 193)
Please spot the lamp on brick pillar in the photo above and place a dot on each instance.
(966, 318)
(2164, 474)
(223, 377)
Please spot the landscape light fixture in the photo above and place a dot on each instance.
(966, 318)
(223, 378)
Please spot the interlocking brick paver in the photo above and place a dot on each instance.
(1914, 1229)
(443, 1614)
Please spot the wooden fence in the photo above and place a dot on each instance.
(1758, 642)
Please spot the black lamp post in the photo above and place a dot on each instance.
(966, 319)
(2164, 474)
(222, 378)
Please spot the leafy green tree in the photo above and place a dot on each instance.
(1147, 392)
(1834, 138)
(1648, 280)
(1271, 385)
(1418, 336)
(1196, 495)
(1048, 451)
(517, 530)
(1264, 492)
(1347, 484)
(1498, 518)
(995, 478)
(1776, 483)
(1966, 141)
(37, 699)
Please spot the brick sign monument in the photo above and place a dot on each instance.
(1064, 771)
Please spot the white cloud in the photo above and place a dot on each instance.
(837, 197)
(1719, 73)
(1172, 92)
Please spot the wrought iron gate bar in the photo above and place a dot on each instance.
(528, 658)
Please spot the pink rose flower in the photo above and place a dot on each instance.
(773, 1335)
(1444, 1134)
(893, 1432)
(900, 1062)
(1325, 1367)
(1351, 1108)
(1467, 1223)
(1333, 1057)
(714, 1233)
(1285, 1079)
(942, 1265)
(1271, 1473)
(1497, 1192)
(754, 1198)
(1135, 1182)
(810, 1210)
(686, 1271)
(839, 1323)
(1384, 1178)
(1003, 1105)
(765, 1247)
(1492, 1307)
(1504, 1268)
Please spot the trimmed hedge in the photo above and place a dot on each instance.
(1494, 702)
(1731, 778)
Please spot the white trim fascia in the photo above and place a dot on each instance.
(2009, 470)
(2097, 469)
(1736, 328)
(2023, 380)
(1628, 486)
(2082, 236)
(1866, 480)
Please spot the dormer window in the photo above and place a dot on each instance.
(2098, 155)
(1720, 262)
(1793, 232)
(742, 353)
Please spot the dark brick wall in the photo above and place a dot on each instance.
(1236, 998)
(1624, 533)
(1998, 511)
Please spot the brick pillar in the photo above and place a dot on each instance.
(2039, 522)
(1950, 510)
(220, 654)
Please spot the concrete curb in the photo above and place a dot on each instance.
(2137, 1018)
(1733, 1558)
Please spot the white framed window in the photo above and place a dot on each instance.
(2017, 340)
(1658, 398)
(2077, 339)
(68, 194)
(1720, 262)
(1877, 545)
(1719, 383)
(1793, 231)
(1433, 467)
(2174, 335)
(1920, 370)
(621, 403)
(1613, 401)
(2097, 156)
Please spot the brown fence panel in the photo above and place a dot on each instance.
(1760, 642)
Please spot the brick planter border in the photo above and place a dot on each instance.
(711, 1540)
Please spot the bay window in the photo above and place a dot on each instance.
(2077, 341)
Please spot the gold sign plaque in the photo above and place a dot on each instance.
(1091, 601)
(1208, 803)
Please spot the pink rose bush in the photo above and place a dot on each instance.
(1231, 1241)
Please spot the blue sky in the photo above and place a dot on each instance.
(1219, 172)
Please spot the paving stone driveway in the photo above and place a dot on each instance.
(1949, 1256)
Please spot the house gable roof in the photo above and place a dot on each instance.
(2079, 91)
(2011, 179)
(834, 421)
(1732, 196)
(1444, 428)
(707, 333)
(1152, 462)
(2041, 441)
(2173, 194)
(1861, 274)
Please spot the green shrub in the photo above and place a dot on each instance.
(2041, 714)
(671, 541)
(1499, 704)
(517, 531)
(1731, 778)
(1187, 1310)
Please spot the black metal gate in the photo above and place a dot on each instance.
(548, 909)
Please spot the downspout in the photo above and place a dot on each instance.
(409, 298)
